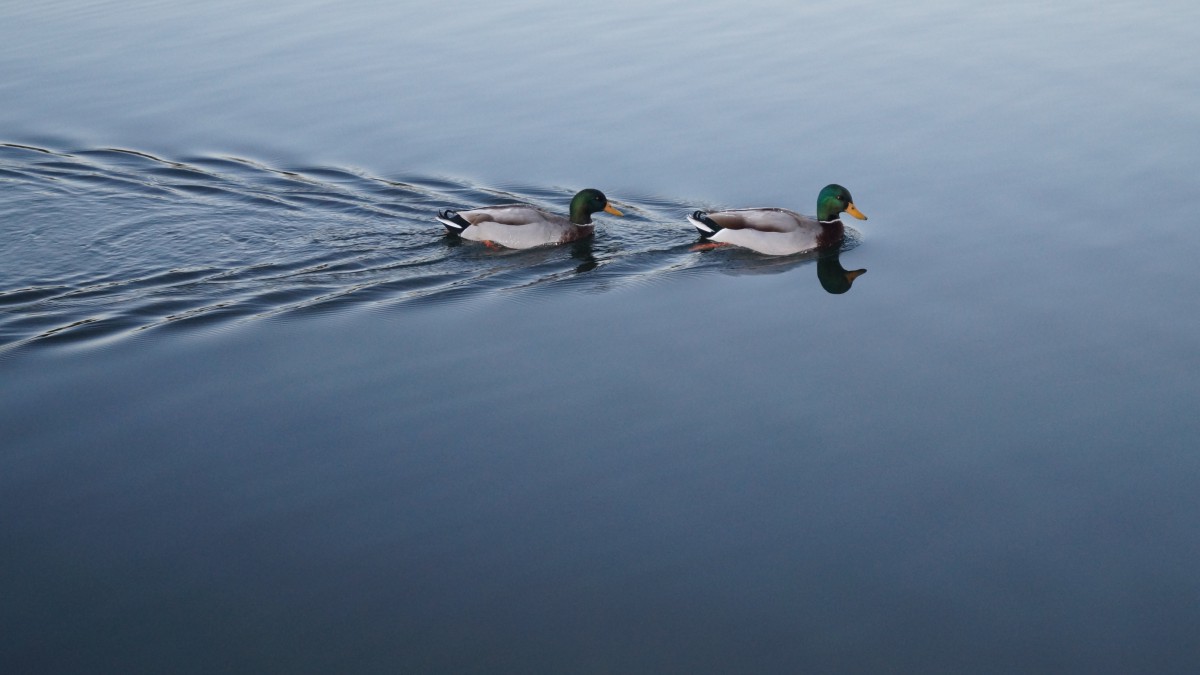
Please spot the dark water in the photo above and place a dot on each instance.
(259, 415)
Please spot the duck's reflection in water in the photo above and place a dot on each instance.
(582, 252)
(834, 278)
(581, 257)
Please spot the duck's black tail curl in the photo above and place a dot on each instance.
(707, 226)
(454, 223)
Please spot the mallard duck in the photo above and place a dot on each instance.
(524, 226)
(780, 231)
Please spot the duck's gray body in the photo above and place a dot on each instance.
(772, 231)
(514, 226)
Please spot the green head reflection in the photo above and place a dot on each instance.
(835, 278)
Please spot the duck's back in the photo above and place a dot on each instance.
(512, 214)
(775, 220)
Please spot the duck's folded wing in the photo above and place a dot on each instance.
(516, 214)
(762, 220)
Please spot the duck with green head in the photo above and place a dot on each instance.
(777, 231)
(525, 226)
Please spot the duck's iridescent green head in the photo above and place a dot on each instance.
(833, 201)
(586, 203)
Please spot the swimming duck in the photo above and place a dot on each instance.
(524, 226)
(780, 231)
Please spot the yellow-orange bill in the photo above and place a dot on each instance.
(609, 208)
(853, 210)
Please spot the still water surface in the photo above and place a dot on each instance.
(259, 415)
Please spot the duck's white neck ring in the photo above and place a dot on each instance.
(830, 222)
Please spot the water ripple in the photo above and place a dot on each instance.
(110, 241)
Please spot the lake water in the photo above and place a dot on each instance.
(260, 415)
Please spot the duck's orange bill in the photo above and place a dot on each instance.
(853, 210)
(609, 208)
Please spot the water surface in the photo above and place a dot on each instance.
(260, 415)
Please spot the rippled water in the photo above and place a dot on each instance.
(150, 242)
(260, 414)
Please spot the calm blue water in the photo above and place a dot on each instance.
(259, 415)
